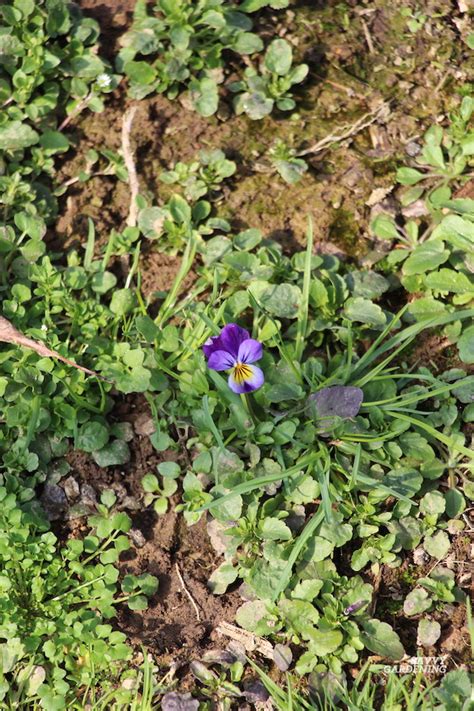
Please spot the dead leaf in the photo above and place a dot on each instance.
(378, 195)
(249, 641)
(9, 334)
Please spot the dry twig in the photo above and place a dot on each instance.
(130, 164)
(186, 591)
(381, 112)
(367, 36)
(81, 105)
(9, 334)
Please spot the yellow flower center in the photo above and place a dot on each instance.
(242, 372)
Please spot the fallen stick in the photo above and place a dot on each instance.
(130, 165)
(186, 591)
(9, 334)
(381, 112)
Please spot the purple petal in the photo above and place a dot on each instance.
(246, 379)
(220, 360)
(249, 351)
(231, 337)
(212, 344)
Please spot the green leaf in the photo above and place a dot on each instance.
(450, 280)
(114, 454)
(150, 222)
(273, 529)
(367, 284)
(381, 639)
(282, 300)
(466, 345)
(247, 43)
(455, 503)
(409, 176)
(425, 257)
(437, 545)
(416, 602)
(384, 227)
(280, 392)
(180, 209)
(15, 135)
(429, 631)
(323, 642)
(278, 57)
(140, 72)
(170, 470)
(54, 142)
(364, 311)
(291, 170)
(102, 282)
(123, 301)
(254, 5)
(405, 482)
(255, 104)
(433, 155)
(222, 577)
(92, 436)
(433, 503)
(205, 96)
(253, 616)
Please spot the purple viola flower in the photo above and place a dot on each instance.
(234, 350)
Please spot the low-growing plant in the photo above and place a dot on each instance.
(285, 161)
(259, 92)
(56, 602)
(184, 43)
(435, 258)
(202, 176)
(49, 68)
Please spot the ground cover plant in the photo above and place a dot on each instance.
(236, 458)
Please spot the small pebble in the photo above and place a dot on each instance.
(137, 537)
(71, 488)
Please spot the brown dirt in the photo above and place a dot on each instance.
(169, 627)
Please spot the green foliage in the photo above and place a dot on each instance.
(49, 67)
(286, 163)
(436, 258)
(201, 176)
(55, 602)
(259, 92)
(181, 45)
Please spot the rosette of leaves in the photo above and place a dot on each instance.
(286, 162)
(259, 92)
(201, 176)
(175, 222)
(49, 66)
(180, 46)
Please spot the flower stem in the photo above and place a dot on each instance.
(249, 407)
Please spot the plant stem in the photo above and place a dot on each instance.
(249, 407)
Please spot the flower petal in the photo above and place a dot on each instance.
(212, 344)
(231, 337)
(246, 378)
(249, 351)
(220, 360)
